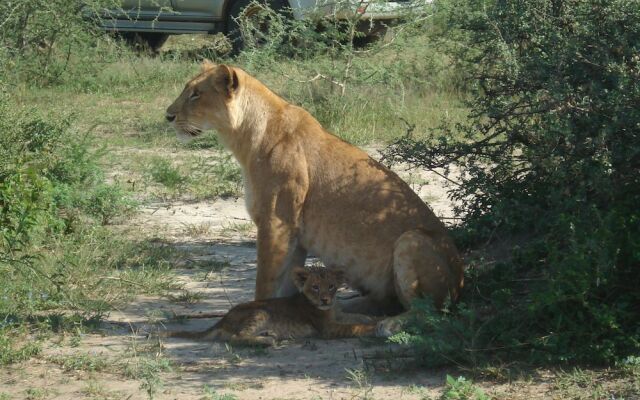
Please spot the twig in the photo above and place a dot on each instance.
(199, 315)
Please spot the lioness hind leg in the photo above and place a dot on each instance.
(420, 269)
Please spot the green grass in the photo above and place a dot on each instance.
(81, 362)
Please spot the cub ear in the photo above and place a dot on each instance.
(299, 276)
(207, 65)
(225, 79)
(339, 275)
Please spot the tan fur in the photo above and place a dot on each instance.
(309, 313)
(309, 191)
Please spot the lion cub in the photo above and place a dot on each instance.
(308, 313)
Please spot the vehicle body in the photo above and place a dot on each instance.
(153, 20)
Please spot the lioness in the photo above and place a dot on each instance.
(309, 191)
(308, 313)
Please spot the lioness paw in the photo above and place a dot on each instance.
(388, 327)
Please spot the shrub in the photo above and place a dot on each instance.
(550, 156)
(40, 39)
(49, 180)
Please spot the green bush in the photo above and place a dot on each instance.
(551, 159)
(52, 192)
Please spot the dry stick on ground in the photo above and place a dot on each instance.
(199, 315)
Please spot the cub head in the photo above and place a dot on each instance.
(206, 102)
(318, 284)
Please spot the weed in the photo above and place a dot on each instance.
(205, 141)
(419, 390)
(36, 393)
(210, 264)
(240, 386)
(15, 347)
(162, 171)
(462, 389)
(361, 379)
(197, 230)
(234, 357)
(220, 177)
(237, 228)
(211, 394)
(81, 362)
(187, 297)
(94, 389)
(148, 371)
(75, 340)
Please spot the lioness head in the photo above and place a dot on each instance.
(205, 102)
(318, 284)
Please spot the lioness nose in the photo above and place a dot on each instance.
(170, 117)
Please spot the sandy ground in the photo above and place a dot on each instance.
(219, 234)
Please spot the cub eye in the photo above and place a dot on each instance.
(315, 288)
(194, 95)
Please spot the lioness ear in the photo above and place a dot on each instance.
(207, 65)
(299, 276)
(225, 78)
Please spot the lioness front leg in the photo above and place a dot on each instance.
(274, 245)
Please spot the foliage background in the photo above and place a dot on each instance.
(550, 154)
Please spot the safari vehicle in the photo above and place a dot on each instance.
(151, 21)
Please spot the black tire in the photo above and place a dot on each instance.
(144, 41)
(238, 10)
(372, 33)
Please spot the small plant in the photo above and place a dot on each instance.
(162, 171)
(36, 393)
(211, 394)
(462, 389)
(237, 228)
(206, 141)
(362, 381)
(81, 362)
(94, 389)
(107, 202)
(187, 297)
(13, 347)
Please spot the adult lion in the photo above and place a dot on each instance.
(309, 191)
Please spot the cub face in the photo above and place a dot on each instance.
(318, 284)
(205, 102)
